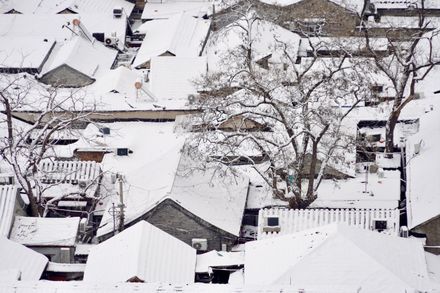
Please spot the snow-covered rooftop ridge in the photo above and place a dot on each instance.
(36, 231)
(335, 255)
(80, 54)
(291, 221)
(24, 52)
(57, 6)
(8, 197)
(27, 264)
(144, 252)
(181, 35)
(423, 155)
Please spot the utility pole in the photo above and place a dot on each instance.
(121, 204)
(114, 219)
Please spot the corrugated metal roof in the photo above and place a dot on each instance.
(8, 194)
(68, 171)
(291, 221)
(15, 256)
(142, 251)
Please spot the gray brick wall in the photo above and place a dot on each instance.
(67, 77)
(173, 219)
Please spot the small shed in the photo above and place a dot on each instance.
(141, 253)
(53, 237)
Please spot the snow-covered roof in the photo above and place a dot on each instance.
(352, 5)
(292, 221)
(168, 8)
(82, 55)
(8, 197)
(215, 259)
(89, 287)
(29, 264)
(122, 80)
(149, 170)
(199, 190)
(56, 6)
(338, 255)
(181, 35)
(382, 191)
(24, 52)
(268, 39)
(33, 231)
(423, 155)
(174, 77)
(36, 26)
(141, 251)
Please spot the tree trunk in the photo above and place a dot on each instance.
(389, 133)
(33, 207)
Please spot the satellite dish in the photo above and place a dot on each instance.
(138, 84)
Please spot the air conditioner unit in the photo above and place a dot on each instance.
(272, 224)
(65, 255)
(117, 12)
(111, 41)
(379, 224)
(122, 152)
(200, 244)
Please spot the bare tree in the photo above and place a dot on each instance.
(25, 146)
(411, 57)
(298, 105)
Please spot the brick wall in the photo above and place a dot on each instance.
(173, 219)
